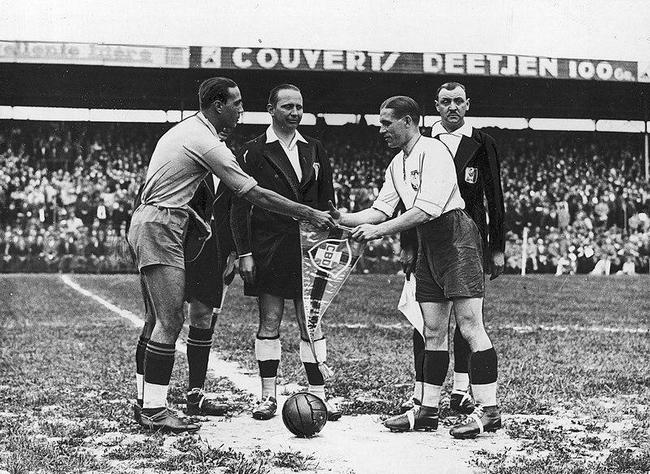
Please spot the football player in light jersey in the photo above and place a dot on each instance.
(449, 272)
(477, 167)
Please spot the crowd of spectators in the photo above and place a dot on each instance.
(575, 202)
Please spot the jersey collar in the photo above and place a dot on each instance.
(438, 129)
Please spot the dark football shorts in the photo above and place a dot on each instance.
(450, 259)
(278, 261)
(208, 270)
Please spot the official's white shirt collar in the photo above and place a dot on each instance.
(437, 129)
(271, 137)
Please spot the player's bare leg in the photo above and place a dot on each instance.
(199, 343)
(315, 377)
(166, 287)
(482, 370)
(435, 364)
(268, 352)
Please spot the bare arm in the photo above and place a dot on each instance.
(272, 201)
(353, 219)
(407, 220)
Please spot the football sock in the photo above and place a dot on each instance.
(314, 375)
(139, 366)
(462, 353)
(483, 374)
(199, 342)
(267, 353)
(418, 361)
(318, 390)
(436, 364)
(158, 365)
(461, 382)
(215, 316)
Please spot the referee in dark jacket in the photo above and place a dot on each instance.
(477, 166)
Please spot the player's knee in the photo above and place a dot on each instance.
(436, 341)
(200, 315)
(171, 326)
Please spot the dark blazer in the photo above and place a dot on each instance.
(479, 174)
(206, 260)
(272, 238)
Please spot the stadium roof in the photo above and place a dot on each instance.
(590, 59)
(606, 29)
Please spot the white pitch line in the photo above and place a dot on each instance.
(217, 366)
(523, 329)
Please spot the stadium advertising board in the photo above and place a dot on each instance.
(497, 65)
(293, 59)
(93, 54)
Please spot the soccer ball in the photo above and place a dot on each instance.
(304, 414)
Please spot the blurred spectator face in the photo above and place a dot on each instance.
(452, 105)
(287, 111)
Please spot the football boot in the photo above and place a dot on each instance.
(266, 409)
(166, 421)
(199, 404)
(409, 404)
(461, 402)
(416, 419)
(137, 410)
(334, 411)
(481, 420)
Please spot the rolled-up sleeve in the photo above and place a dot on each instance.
(388, 199)
(222, 163)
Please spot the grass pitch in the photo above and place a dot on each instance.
(573, 372)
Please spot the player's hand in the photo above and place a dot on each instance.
(497, 264)
(320, 219)
(334, 212)
(247, 269)
(407, 260)
(365, 232)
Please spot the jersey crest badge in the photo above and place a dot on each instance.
(471, 175)
(415, 180)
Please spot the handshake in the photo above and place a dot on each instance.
(332, 218)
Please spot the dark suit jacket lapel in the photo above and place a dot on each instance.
(307, 154)
(275, 154)
(466, 150)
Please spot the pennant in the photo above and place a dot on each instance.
(328, 257)
(409, 307)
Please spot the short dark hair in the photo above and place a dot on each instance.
(273, 95)
(403, 106)
(450, 86)
(215, 88)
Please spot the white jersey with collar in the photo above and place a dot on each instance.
(426, 179)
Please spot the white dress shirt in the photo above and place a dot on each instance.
(291, 150)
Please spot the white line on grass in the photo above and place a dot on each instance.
(217, 366)
(523, 329)
(353, 444)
